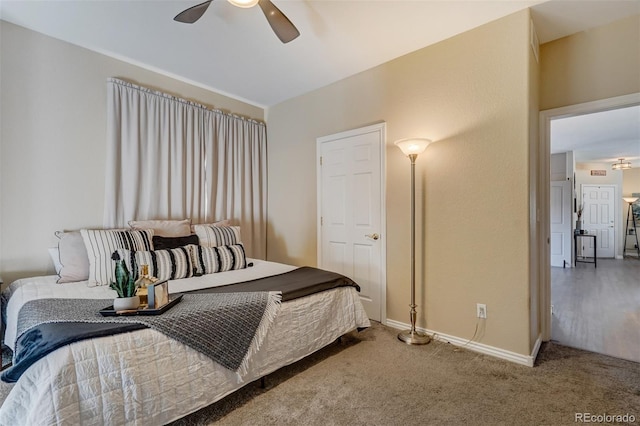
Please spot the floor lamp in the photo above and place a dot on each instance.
(412, 148)
(630, 218)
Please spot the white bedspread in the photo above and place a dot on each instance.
(143, 377)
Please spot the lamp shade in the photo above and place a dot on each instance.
(412, 146)
(630, 200)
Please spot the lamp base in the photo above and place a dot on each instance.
(413, 337)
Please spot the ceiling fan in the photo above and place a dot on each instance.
(280, 24)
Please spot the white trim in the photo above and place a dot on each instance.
(383, 224)
(593, 106)
(545, 152)
(504, 354)
(380, 128)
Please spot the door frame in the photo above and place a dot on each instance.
(544, 179)
(381, 129)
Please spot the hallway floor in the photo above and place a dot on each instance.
(598, 309)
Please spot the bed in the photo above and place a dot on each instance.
(144, 377)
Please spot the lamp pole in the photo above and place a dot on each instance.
(412, 336)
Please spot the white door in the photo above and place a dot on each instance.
(350, 205)
(599, 218)
(560, 201)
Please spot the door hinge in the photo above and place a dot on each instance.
(321, 221)
(321, 160)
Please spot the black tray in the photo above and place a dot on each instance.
(110, 312)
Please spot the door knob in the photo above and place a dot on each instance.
(372, 236)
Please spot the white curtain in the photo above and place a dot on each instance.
(168, 158)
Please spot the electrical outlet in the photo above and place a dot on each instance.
(481, 310)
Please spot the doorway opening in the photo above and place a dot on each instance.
(587, 306)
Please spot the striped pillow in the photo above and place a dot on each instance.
(101, 244)
(216, 236)
(163, 264)
(209, 260)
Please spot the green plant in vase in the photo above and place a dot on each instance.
(125, 284)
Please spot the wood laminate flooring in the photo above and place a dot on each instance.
(598, 309)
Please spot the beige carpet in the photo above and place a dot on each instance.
(373, 379)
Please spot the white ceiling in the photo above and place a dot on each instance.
(599, 137)
(234, 52)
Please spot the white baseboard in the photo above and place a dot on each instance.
(517, 358)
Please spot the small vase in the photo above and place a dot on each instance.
(126, 303)
(578, 226)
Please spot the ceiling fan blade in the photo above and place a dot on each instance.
(280, 24)
(191, 15)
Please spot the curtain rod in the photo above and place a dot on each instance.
(125, 83)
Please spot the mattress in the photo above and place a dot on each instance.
(143, 377)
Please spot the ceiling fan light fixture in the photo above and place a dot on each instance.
(621, 165)
(244, 3)
(280, 24)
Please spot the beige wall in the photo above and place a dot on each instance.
(474, 181)
(52, 167)
(630, 182)
(596, 64)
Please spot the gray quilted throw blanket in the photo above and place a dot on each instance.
(227, 327)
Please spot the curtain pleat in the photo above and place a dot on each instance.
(168, 158)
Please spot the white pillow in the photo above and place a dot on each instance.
(72, 255)
(101, 244)
(54, 252)
(216, 236)
(164, 228)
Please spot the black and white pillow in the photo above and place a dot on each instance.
(171, 264)
(209, 260)
(100, 245)
(216, 236)
(168, 243)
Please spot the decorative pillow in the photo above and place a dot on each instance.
(101, 244)
(73, 257)
(168, 243)
(163, 264)
(164, 228)
(224, 222)
(54, 253)
(216, 236)
(209, 260)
